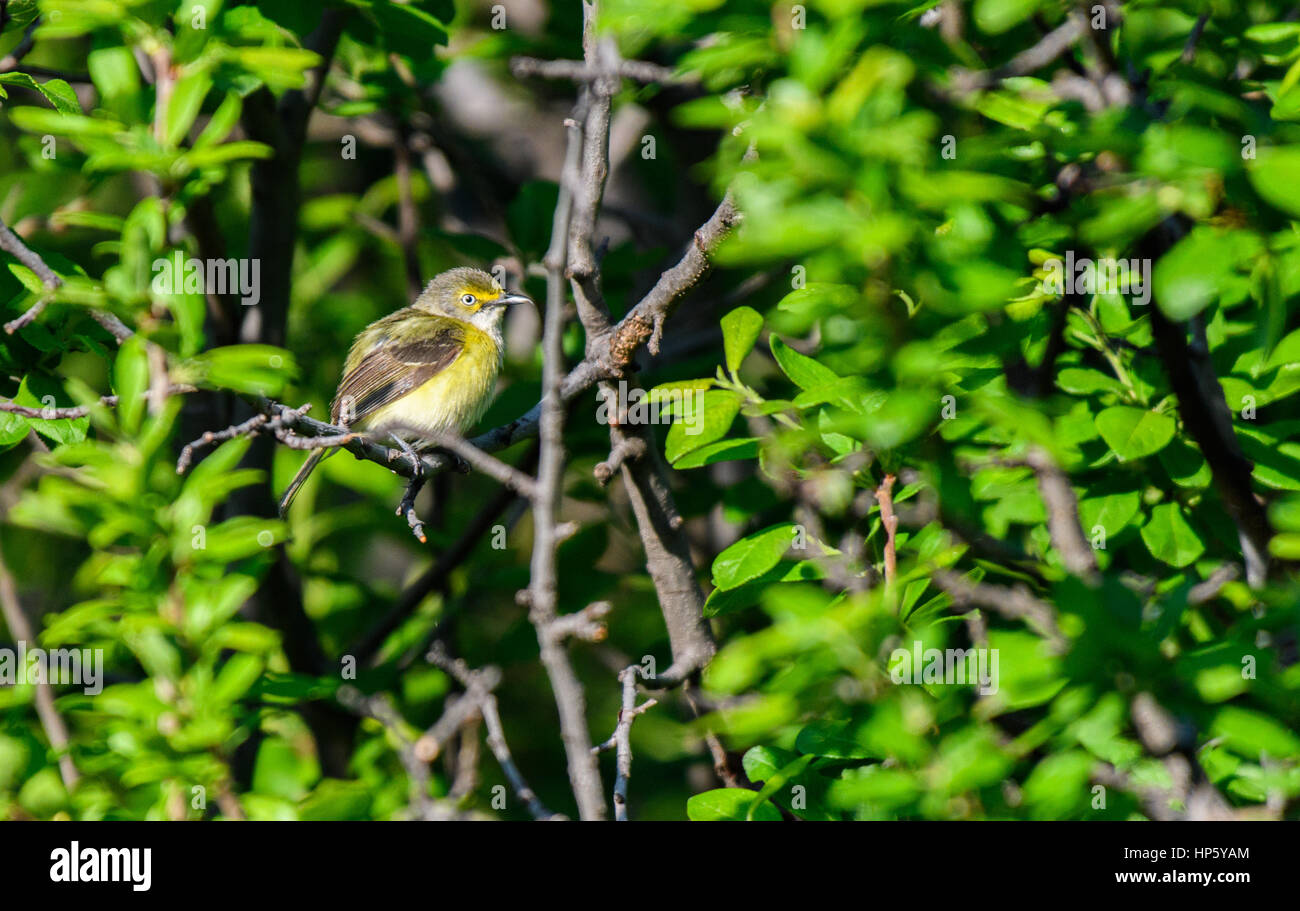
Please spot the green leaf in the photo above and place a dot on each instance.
(733, 804)
(1185, 464)
(729, 600)
(278, 67)
(253, 369)
(130, 380)
(56, 91)
(1085, 381)
(803, 371)
(740, 329)
(1112, 512)
(335, 800)
(1198, 269)
(762, 762)
(13, 430)
(237, 676)
(409, 30)
(210, 156)
(1287, 352)
(1170, 538)
(221, 122)
(706, 418)
(721, 451)
(1275, 174)
(671, 397)
(1285, 514)
(39, 120)
(818, 299)
(832, 739)
(283, 770)
(1276, 458)
(752, 555)
(1253, 734)
(778, 780)
(186, 101)
(40, 391)
(997, 16)
(1135, 432)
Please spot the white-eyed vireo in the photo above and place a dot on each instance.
(428, 367)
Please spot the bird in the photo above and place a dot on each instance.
(425, 370)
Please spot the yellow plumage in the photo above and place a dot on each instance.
(452, 401)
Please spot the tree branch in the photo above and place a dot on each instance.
(13, 245)
(621, 739)
(542, 595)
(52, 722)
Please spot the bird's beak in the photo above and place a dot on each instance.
(510, 298)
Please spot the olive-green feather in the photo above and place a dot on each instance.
(386, 364)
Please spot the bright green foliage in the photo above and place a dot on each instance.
(916, 315)
(903, 336)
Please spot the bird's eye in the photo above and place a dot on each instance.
(468, 300)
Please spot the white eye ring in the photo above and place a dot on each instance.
(468, 300)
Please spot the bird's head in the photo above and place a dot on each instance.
(470, 295)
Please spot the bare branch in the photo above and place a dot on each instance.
(621, 739)
(406, 508)
(487, 464)
(885, 497)
(589, 185)
(1046, 51)
(13, 245)
(586, 624)
(1208, 420)
(1189, 49)
(582, 71)
(29, 315)
(22, 48)
(1016, 603)
(381, 709)
(478, 690)
(626, 448)
(1063, 515)
(51, 720)
(668, 557)
(254, 425)
(645, 321)
(542, 595)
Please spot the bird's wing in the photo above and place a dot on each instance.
(382, 369)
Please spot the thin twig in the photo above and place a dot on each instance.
(22, 48)
(1048, 49)
(1189, 49)
(51, 720)
(621, 739)
(885, 497)
(484, 462)
(12, 244)
(582, 72)
(1016, 603)
(479, 685)
(381, 709)
(79, 411)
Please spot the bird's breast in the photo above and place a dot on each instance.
(453, 401)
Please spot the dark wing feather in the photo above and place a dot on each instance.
(393, 368)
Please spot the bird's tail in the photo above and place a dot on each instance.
(312, 461)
